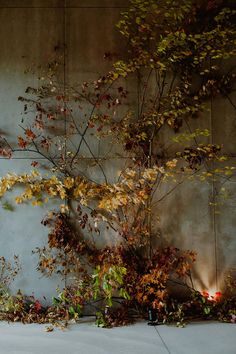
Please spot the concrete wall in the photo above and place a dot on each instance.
(29, 32)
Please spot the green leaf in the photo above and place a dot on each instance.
(7, 206)
(56, 301)
(207, 310)
(72, 311)
(78, 308)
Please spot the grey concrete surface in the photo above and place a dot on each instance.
(200, 338)
(86, 338)
(21, 232)
(64, 3)
(224, 111)
(190, 227)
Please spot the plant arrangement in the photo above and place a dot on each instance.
(176, 51)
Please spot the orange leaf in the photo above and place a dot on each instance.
(30, 134)
(22, 143)
(34, 163)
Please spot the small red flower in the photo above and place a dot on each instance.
(37, 306)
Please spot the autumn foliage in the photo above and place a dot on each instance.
(175, 53)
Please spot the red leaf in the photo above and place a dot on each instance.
(37, 306)
(34, 163)
(30, 134)
(22, 143)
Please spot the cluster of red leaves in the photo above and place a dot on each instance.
(64, 236)
(146, 280)
(22, 143)
(149, 285)
(201, 305)
(27, 309)
(30, 136)
(22, 308)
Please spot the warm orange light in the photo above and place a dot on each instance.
(212, 295)
(205, 294)
(217, 296)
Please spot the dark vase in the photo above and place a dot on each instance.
(152, 317)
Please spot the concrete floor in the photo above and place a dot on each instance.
(86, 338)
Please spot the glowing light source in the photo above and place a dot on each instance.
(212, 295)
